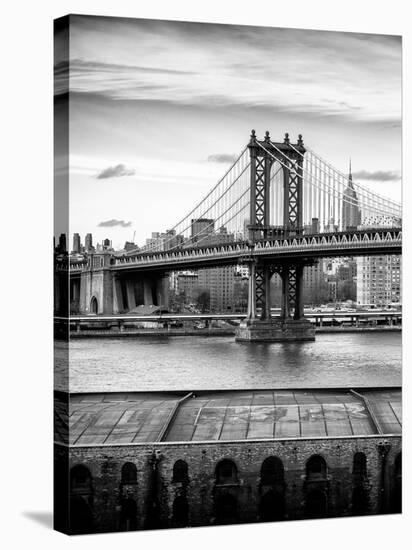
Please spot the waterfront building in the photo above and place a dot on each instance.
(304, 454)
(315, 286)
(184, 288)
(378, 280)
(240, 291)
(220, 282)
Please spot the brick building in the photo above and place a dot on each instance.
(141, 461)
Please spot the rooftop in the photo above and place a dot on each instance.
(130, 418)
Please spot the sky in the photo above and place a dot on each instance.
(159, 110)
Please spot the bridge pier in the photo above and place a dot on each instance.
(265, 328)
(263, 155)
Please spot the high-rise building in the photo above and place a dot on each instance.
(315, 285)
(76, 243)
(130, 246)
(88, 243)
(351, 213)
(379, 280)
(163, 241)
(201, 229)
(312, 228)
(62, 243)
(186, 283)
(220, 281)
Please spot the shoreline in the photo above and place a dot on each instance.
(166, 333)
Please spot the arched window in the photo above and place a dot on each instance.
(272, 471)
(94, 306)
(81, 480)
(316, 504)
(180, 512)
(272, 506)
(316, 468)
(128, 514)
(180, 471)
(226, 509)
(226, 472)
(129, 473)
(359, 465)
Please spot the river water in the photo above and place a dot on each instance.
(198, 362)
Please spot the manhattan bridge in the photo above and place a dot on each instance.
(279, 208)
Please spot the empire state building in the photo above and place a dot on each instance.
(351, 213)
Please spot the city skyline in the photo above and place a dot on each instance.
(169, 129)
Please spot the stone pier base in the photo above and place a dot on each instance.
(275, 330)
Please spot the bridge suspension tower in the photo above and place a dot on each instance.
(259, 324)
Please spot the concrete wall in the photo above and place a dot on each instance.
(115, 293)
(98, 284)
(155, 489)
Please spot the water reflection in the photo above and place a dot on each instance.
(179, 363)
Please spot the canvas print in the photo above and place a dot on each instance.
(227, 269)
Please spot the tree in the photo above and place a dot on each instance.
(203, 300)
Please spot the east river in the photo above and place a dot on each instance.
(197, 362)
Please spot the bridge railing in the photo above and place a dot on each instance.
(349, 240)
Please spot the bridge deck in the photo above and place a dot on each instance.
(130, 418)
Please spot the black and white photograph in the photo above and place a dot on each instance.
(227, 274)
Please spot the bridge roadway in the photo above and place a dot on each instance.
(367, 242)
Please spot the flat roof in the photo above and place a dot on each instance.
(132, 417)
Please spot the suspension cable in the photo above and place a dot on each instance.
(336, 193)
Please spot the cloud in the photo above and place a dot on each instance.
(221, 158)
(380, 175)
(114, 223)
(223, 65)
(115, 172)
